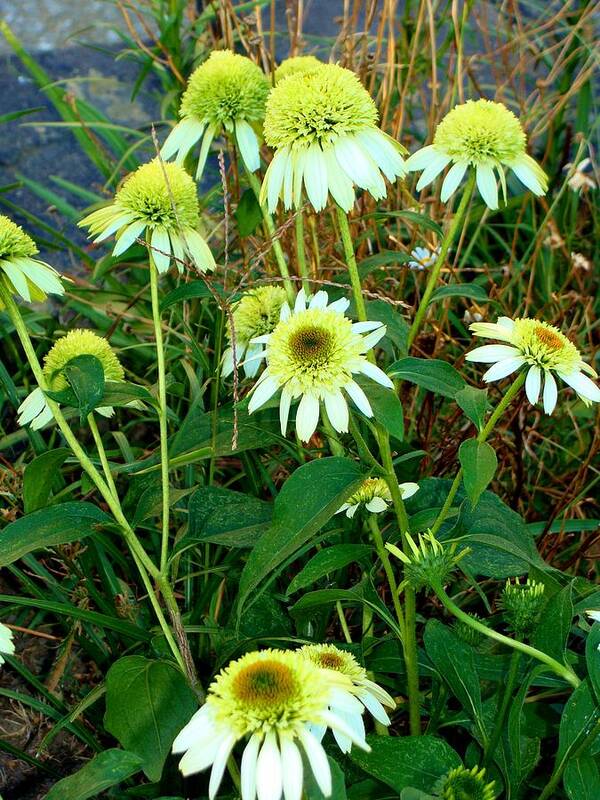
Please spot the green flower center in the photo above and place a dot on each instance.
(162, 194)
(257, 313)
(318, 108)
(311, 346)
(265, 684)
(79, 343)
(464, 784)
(481, 131)
(297, 65)
(545, 346)
(225, 88)
(372, 487)
(14, 242)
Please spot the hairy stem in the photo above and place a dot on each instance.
(359, 302)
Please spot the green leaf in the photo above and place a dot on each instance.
(338, 784)
(228, 518)
(406, 761)
(307, 500)
(418, 220)
(59, 524)
(329, 560)
(38, 478)
(85, 375)
(147, 703)
(386, 405)
(592, 657)
(581, 779)
(396, 326)
(455, 662)
(478, 461)
(121, 393)
(580, 714)
(474, 403)
(248, 213)
(104, 770)
(472, 290)
(188, 291)
(554, 627)
(430, 373)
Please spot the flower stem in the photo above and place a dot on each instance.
(300, 253)
(91, 420)
(383, 554)
(350, 256)
(560, 669)
(501, 716)
(511, 392)
(447, 241)
(410, 601)
(162, 412)
(276, 244)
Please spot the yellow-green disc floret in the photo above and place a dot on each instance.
(328, 656)
(545, 346)
(317, 108)
(14, 242)
(78, 343)
(170, 202)
(481, 130)
(257, 312)
(227, 87)
(297, 65)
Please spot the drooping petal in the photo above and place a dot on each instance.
(503, 368)
(160, 245)
(453, 179)
(383, 151)
(359, 398)
(128, 236)
(340, 185)
(359, 166)
(209, 135)
(376, 374)
(317, 760)
(584, 386)
(531, 175)
(307, 416)
(34, 404)
(201, 755)
(248, 143)
(408, 489)
(262, 392)
(199, 251)
(486, 183)
(377, 505)
(17, 278)
(269, 774)
(181, 139)
(374, 707)
(219, 764)
(421, 158)
(533, 384)
(291, 765)
(284, 409)
(117, 222)
(489, 353)
(337, 411)
(248, 769)
(437, 163)
(273, 180)
(315, 177)
(550, 392)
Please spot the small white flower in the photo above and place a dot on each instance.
(423, 258)
(375, 495)
(271, 700)
(579, 179)
(312, 354)
(543, 350)
(371, 696)
(7, 646)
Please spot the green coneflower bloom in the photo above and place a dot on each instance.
(486, 136)
(297, 65)
(270, 700)
(256, 314)
(428, 562)
(7, 646)
(159, 200)
(543, 350)
(375, 495)
(34, 410)
(465, 784)
(24, 275)
(372, 696)
(323, 127)
(522, 603)
(312, 354)
(228, 92)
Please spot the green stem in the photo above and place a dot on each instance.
(511, 393)
(275, 243)
(557, 773)
(343, 623)
(102, 453)
(359, 302)
(434, 272)
(384, 557)
(300, 253)
(560, 669)
(409, 643)
(162, 412)
(506, 699)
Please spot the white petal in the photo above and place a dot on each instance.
(421, 158)
(343, 742)
(377, 505)
(352, 510)
(291, 764)
(320, 300)
(359, 397)
(209, 135)
(254, 355)
(161, 249)
(288, 183)
(550, 392)
(298, 160)
(248, 770)
(318, 761)
(341, 305)
(128, 236)
(262, 392)
(384, 153)
(453, 179)
(437, 163)
(273, 179)
(379, 692)
(359, 166)
(533, 384)
(199, 251)
(486, 183)
(248, 144)
(118, 222)
(284, 409)
(201, 755)
(371, 339)
(34, 404)
(490, 353)
(269, 777)
(41, 275)
(503, 368)
(408, 489)
(365, 327)
(307, 416)
(337, 411)
(337, 723)
(43, 418)
(529, 174)
(300, 304)
(340, 185)
(584, 387)
(219, 764)
(315, 177)
(372, 371)
(181, 139)
(375, 708)
(197, 728)
(285, 312)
